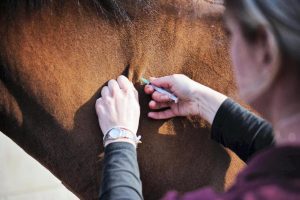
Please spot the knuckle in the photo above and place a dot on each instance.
(175, 75)
(178, 76)
(99, 107)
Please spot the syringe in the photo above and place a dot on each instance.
(161, 90)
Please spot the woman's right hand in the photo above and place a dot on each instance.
(194, 98)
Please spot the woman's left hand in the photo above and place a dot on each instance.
(118, 106)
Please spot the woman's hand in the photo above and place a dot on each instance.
(118, 106)
(194, 98)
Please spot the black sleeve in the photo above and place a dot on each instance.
(121, 177)
(240, 130)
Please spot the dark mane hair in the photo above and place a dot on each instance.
(120, 10)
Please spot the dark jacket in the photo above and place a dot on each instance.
(273, 174)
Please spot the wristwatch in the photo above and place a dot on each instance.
(117, 133)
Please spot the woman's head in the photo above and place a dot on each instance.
(265, 42)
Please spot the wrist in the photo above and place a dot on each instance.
(208, 102)
(120, 134)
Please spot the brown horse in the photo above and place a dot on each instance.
(54, 58)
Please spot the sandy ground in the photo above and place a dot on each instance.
(22, 177)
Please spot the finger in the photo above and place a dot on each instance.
(124, 83)
(148, 89)
(152, 78)
(99, 100)
(162, 114)
(159, 97)
(127, 85)
(99, 105)
(105, 91)
(165, 81)
(156, 105)
(136, 94)
(113, 86)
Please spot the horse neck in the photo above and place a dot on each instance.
(58, 57)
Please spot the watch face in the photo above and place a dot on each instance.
(114, 133)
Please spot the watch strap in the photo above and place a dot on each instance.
(125, 134)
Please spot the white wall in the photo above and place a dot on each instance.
(22, 177)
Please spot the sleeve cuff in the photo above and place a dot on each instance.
(119, 145)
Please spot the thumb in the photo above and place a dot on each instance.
(165, 81)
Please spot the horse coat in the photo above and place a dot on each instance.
(56, 55)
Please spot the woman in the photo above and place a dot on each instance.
(265, 49)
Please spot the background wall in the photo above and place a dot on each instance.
(22, 177)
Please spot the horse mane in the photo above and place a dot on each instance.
(116, 10)
(119, 10)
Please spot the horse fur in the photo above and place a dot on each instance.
(53, 65)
